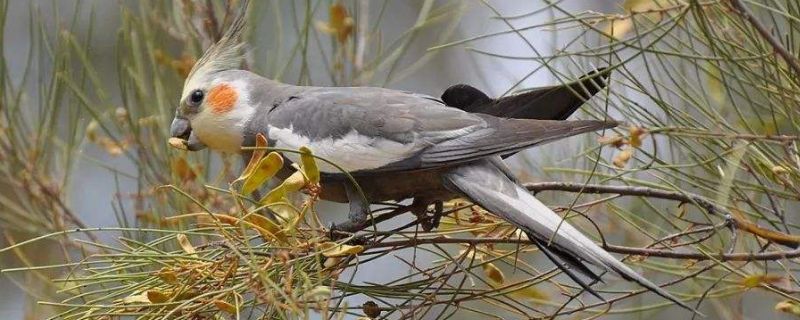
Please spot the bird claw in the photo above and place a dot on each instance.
(420, 209)
(359, 210)
(343, 230)
(438, 211)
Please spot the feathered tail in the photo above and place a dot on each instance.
(487, 184)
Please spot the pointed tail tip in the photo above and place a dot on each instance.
(604, 72)
(690, 308)
(628, 274)
(663, 293)
(611, 123)
(599, 77)
(702, 315)
(666, 295)
(593, 125)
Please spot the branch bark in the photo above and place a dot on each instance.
(740, 222)
(762, 256)
(684, 197)
(696, 199)
(743, 11)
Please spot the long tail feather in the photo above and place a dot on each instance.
(565, 266)
(488, 186)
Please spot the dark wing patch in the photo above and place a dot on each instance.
(465, 97)
(546, 103)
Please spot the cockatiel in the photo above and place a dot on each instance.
(396, 144)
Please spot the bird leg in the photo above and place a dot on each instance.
(359, 210)
(438, 212)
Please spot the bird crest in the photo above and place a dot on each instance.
(226, 53)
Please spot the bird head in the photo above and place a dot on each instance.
(215, 104)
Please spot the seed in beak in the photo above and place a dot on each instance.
(178, 143)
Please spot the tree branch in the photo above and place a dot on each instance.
(740, 221)
(743, 11)
(763, 256)
(684, 197)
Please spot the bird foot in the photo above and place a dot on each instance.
(346, 230)
(357, 217)
(420, 209)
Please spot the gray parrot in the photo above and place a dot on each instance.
(397, 145)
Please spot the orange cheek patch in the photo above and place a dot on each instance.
(222, 98)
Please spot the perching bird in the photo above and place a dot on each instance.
(396, 144)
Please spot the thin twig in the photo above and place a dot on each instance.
(684, 197)
(763, 256)
(743, 11)
(691, 132)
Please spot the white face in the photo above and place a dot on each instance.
(217, 114)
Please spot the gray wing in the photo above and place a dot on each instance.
(503, 136)
(382, 129)
(320, 113)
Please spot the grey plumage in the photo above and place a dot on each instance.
(485, 183)
(434, 134)
(397, 144)
(503, 136)
(449, 151)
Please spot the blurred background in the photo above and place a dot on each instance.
(90, 87)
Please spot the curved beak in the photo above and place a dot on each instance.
(181, 128)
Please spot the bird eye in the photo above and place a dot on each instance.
(196, 97)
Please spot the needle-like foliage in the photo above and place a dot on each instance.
(697, 190)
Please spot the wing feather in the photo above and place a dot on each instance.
(505, 136)
(425, 133)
